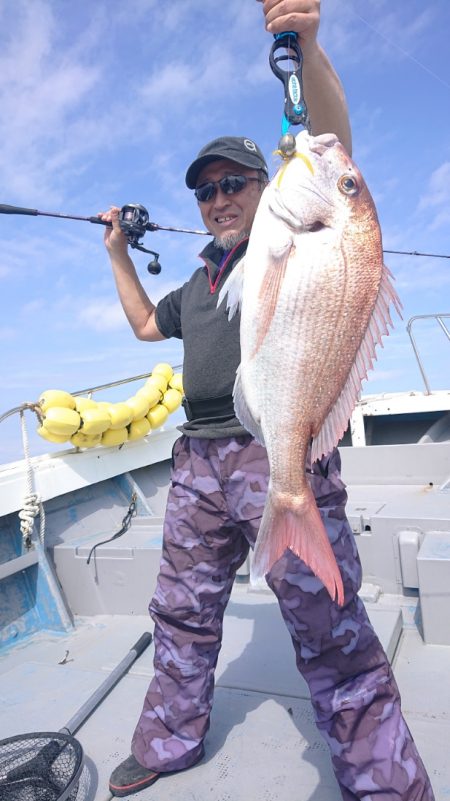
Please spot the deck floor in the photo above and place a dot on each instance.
(263, 744)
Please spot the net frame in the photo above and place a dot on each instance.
(40, 766)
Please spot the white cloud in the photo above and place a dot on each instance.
(431, 276)
(175, 84)
(33, 307)
(438, 191)
(102, 316)
(40, 88)
(437, 198)
(380, 33)
(106, 314)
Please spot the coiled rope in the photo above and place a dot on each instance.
(32, 504)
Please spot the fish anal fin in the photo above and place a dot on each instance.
(300, 528)
(233, 289)
(270, 289)
(335, 424)
(243, 413)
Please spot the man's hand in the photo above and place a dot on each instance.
(323, 90)
(301, 16)
(114, 238)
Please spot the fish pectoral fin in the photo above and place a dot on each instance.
(243, 413)
(335, 424)
(233, 289)
(269, 291)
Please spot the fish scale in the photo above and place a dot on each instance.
(314, 297)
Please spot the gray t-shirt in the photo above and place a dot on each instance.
(211, 344)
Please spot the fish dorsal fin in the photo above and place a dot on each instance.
(233, 289)
(270, 289)
(243, 413)
(336, 422)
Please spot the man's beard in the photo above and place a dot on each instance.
(229, 241)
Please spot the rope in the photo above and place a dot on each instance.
(32, 504)
(126, 523)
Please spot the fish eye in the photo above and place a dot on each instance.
(347, 185)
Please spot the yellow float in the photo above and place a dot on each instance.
(82, 403)
(61, 421)
(81, 440)
(56, 397)
(120, 415)
(58, 438)
(158, 415)
(95, 421)
(114, 436)
(138, 429)
(171, 400)
(139, 406)
(86, 423)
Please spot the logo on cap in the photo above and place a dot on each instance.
(250, 145)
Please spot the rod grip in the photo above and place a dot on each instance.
(142, 643)
(4, 209)
(98, 221)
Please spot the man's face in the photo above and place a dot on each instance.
(229, 218)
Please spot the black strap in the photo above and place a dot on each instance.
(209, 407)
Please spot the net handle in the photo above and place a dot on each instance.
(101, 692)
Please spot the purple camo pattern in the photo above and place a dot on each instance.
(213, 512)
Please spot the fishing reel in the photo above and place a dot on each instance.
(134, 221)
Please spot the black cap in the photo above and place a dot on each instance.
(236, 148)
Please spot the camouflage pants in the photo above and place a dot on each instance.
(213, 512)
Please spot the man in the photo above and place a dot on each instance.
(219, 482)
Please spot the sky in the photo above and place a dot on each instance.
(108, 103)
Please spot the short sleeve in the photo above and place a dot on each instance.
(168, 314)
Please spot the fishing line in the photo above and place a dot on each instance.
(401, 49)
(416, 253)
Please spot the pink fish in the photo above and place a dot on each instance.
(314, 296)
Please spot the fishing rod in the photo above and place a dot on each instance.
(134, 221)
(417, 253)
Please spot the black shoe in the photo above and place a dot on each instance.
(129, 777)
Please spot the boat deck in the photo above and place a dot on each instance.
(262, 743)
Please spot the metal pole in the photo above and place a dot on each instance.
(101, 692)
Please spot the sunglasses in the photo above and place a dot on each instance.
(230, 185)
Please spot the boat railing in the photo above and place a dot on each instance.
(439, 319)
(90, 391)
(118, 383)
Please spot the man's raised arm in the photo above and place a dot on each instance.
(323, 90)
(139, 309)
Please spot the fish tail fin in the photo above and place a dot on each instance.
(298, 527)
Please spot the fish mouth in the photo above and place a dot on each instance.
(298, 227)
(321, 143)
(281, 209)
(294, 225)
(316, 226)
